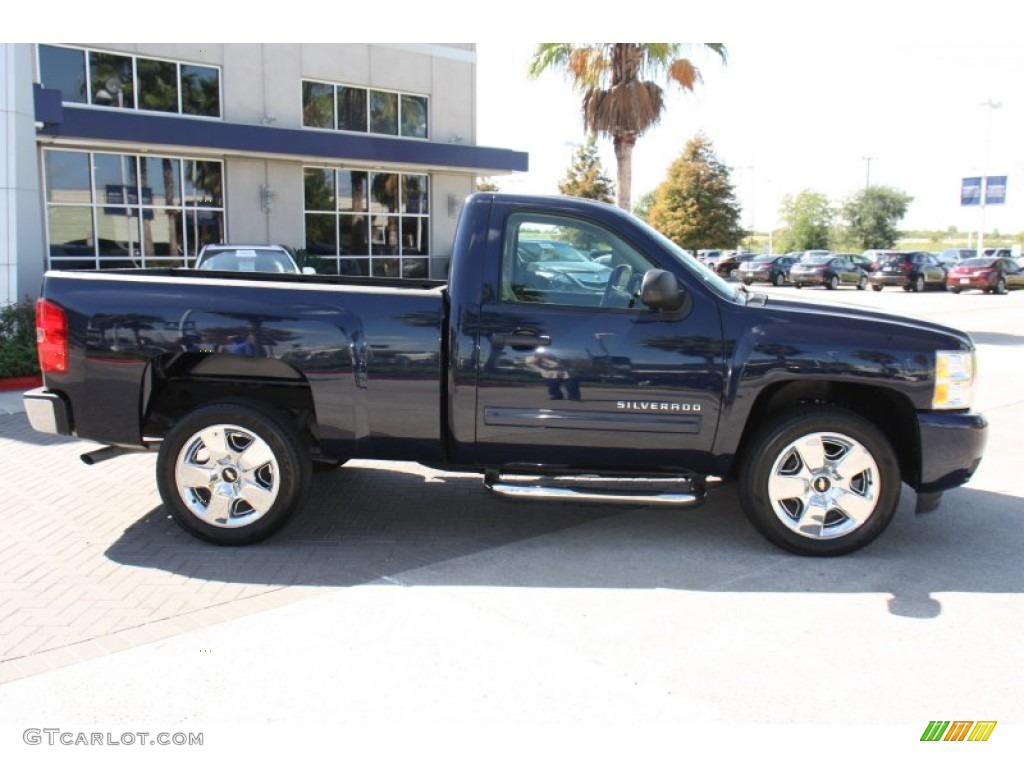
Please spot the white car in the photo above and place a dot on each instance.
(249, 258)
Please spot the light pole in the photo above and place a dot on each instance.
(867, 179)
(992, 105)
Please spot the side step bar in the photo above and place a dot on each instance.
(562, 485)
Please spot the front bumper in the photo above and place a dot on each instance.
(47, 411)
(951, 448)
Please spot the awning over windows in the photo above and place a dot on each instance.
(154, 130)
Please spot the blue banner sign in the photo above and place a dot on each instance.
(995, 190)
(970, 191)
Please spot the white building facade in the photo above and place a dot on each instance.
(137, 155)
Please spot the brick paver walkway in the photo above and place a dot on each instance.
(91, 564)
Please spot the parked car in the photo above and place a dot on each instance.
(222, 257)
(866, 264)
(729, 266)
(998, 253)
(708, 257)
(766, 268)
(831, 271)
(986, 274)
(951, 256)
(556, 264)
(911, 271)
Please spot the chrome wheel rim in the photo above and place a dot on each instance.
(824, 485)
(227, 476)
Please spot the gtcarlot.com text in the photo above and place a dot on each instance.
(56, 736)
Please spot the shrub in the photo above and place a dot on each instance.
(18, 340)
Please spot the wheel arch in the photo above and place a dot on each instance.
(890, 411)
(179, 384)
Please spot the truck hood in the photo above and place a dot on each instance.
(843, 320)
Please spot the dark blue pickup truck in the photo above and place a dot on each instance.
(574, 353)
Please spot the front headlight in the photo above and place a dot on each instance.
(954, 380)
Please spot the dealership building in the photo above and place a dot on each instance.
(137, 155)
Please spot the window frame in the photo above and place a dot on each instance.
(179, 63)
(368, 90)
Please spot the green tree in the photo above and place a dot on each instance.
(620, 99)
(696, 205)
(643, 206)
(808, 218)
(586, 177)
(872, 214)
(485, 184)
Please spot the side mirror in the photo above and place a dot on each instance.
(308, 271)
(661, 291)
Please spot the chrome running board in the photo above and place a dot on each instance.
(666, 490)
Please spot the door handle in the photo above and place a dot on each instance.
(520, 340)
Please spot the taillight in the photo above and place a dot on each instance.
(988, 274)
(51, 337)
(906, 266)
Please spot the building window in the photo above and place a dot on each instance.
(122, 81)
(106, 210)
(368, 223)
(364, 110)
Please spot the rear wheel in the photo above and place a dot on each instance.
(799, 285)
(954, 289)
(821, 481)
(862, 283)
(833, 283)
(232, 473)
(876, 287)
(779, 279)
(919, 284)
(1001, 286)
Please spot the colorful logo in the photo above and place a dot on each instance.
(958, 730)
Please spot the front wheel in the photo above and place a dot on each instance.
(1001, 286)
(821, 481)
(862, 283)
(779, 280)
(232, 473)
(919, 284)
(876, 287)
(833, 283)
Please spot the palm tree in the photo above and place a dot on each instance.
(620, 100)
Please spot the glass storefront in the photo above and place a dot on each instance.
(107, 210)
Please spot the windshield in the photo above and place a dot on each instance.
(698, 270)
(247, 260)
(764, 259)
(816, 259)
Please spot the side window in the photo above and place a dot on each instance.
(564, 261)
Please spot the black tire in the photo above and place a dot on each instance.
(954, 289)
(240, 498)
(833, 283)
(918, 284)
(779, 279)
(799, 285)
(827, 435)
(1000, 288)
(862, 283)
(875, 287)
(326, 465)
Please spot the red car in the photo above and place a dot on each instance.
(985, 274)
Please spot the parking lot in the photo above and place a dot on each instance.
(410, 596)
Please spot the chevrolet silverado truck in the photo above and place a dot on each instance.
(639, 377)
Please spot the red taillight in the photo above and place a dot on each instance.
(906, 266)
(51, 337)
